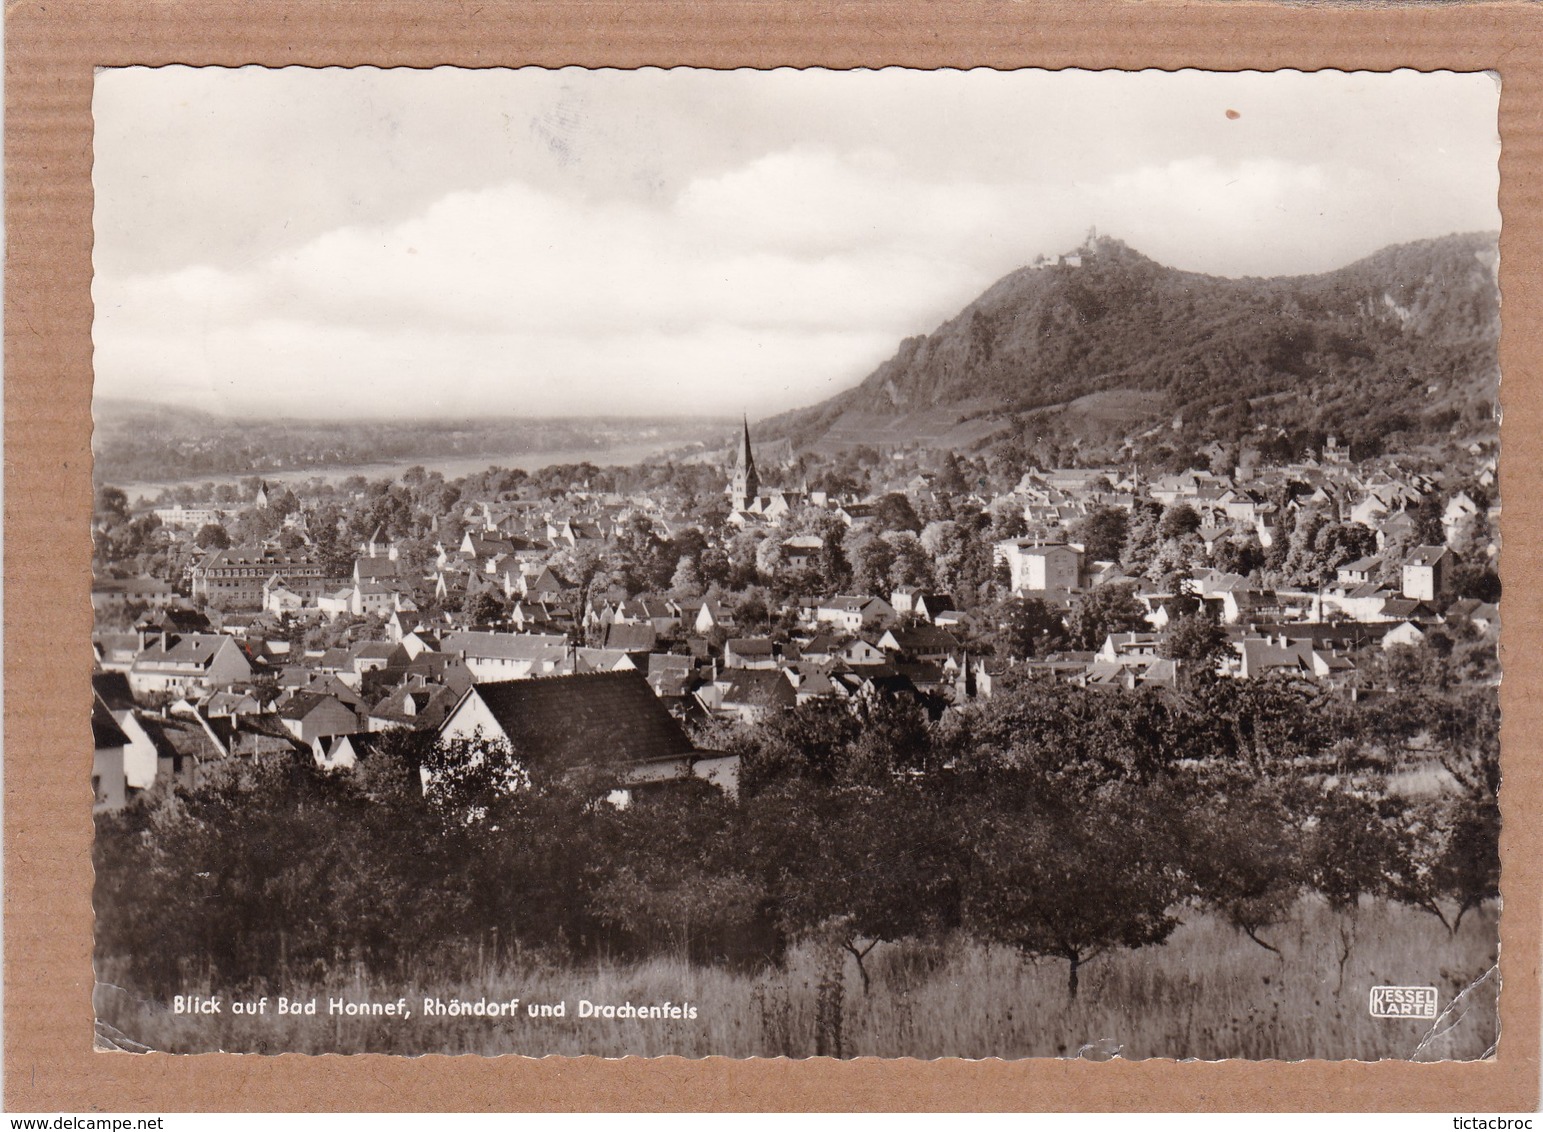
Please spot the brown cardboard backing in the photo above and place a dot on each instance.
(51, 50)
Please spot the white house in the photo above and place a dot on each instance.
(1037, 566)
(852, 613)
(1427, 572)
(507, 656)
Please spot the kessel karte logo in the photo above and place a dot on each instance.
(1403, 1002)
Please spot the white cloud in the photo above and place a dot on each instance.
(757, 250)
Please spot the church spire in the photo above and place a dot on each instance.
(746, 488)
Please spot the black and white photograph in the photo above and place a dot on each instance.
(796, 563)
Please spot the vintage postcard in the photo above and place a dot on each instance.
(973, 564)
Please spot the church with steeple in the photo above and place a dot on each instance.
(745, 490)
(748, 501)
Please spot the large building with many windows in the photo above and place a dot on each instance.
(235, 576)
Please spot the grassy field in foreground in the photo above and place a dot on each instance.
(1209, 993)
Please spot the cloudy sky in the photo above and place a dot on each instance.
(391, 243)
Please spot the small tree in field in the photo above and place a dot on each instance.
(1243, 852)
(1071, 882)
(855, 865)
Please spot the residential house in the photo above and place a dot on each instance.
(309, 716)
(109, 594)
(853, 614)
(802, 552)
(603, 660)
(1428, 573)
(749, 652)
(922, 642)
(859, 653)
(507, 656)
(1118, 646)
(416, 706)
(342, 752)
(1404, 633)
(190, 663)
(603, 720)
(114, 779)
(1358, 572)
(1036, 566)
(711, 615)
(635, 639)
(748, 694)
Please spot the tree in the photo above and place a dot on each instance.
(1243, 851)
(1428, 528)
(1071, 882)
(686, 582)
(769, 558)
(1111, 608)
(858, 864)
(1178, 520)
(951, 478)
(111, 503)
(1026, 627)
(872, 558)
(912, 565)
(895, 513)
(212, 536)
(1475, 580)
(482, 608)
(1335, 544)
(1195, 638)
(1102, 534)
(1140, 539)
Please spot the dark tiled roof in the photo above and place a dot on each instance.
(174, 621)
(302, 704)
(104, 728)
(762, 687)
(257, 556)
(372, 569)
(750, 646)
(177, 738)
(569, 721)
(631, 638)
(113, 687)
(925, 638)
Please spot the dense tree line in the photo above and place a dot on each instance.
(1061, 821)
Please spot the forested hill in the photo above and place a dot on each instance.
(1403, 340)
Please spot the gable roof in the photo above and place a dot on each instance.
(759, 686)
(750, 646)
(302, 704)
(377, 569)
(420, 707)
(113, 689)
(505, 646)
(578, 720)
(630, 638)
(266, 556)
(177, 738)
(174, 621)
(920, 638)
(104, 728)
(193, 651)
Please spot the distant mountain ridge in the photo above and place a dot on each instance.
(1405, 339)
(146, 441)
